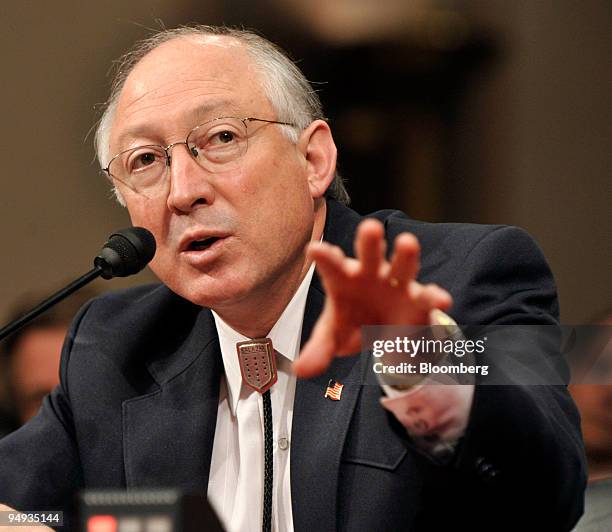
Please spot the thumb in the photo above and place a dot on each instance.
(318, 353)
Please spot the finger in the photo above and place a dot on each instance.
(427, 297)
(350, 343)
(329, 261)
(370, 246)
(318, 353)
(405, 262)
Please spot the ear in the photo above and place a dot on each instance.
(317, 146)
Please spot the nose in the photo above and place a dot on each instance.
(189, 182)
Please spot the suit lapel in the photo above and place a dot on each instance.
(320, 425)
(168, 434)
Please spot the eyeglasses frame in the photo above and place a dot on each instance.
(168, 148)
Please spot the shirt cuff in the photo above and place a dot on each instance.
(435, 415)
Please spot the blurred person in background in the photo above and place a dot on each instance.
(31, 356)
(594, 402)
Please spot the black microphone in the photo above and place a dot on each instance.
(125, 253)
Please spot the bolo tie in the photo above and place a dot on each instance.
(258, 369)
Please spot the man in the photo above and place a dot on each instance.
(215, 142)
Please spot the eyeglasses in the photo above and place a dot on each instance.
(216, 145)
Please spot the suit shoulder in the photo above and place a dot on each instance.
(439, 241)
(457, 236)
(450, 249)
(124, 329)
(154, 293)
(135, 308)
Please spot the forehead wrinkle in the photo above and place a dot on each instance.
(202, 84)
(193, 117)
(147, 94)
(180, 64)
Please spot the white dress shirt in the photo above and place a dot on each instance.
(235, 485)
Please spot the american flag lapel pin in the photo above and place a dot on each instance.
(333, 390)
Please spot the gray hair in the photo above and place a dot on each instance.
(283, 83)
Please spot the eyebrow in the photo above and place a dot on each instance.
(199, 115)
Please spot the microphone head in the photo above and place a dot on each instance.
(126, 252)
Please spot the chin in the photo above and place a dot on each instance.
(212, 292)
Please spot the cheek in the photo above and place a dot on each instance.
(142, 212)
(150, 214)
(279, 211)
(153, 215)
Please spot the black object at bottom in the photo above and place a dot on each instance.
(169, 510)
(266, 525)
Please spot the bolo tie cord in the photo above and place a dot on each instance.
(266, 525)
(258, 368)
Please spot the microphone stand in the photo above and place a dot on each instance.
(125, 253)
(49, 302)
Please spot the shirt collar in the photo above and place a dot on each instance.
(285, 336)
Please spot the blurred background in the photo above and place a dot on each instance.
(482, 111)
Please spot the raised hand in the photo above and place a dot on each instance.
(367, 290)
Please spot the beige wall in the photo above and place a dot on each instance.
(55, 207)
(538, 138)
(536, 134)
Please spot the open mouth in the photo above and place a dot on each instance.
(201, 245)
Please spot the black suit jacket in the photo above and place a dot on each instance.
(138, 400)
